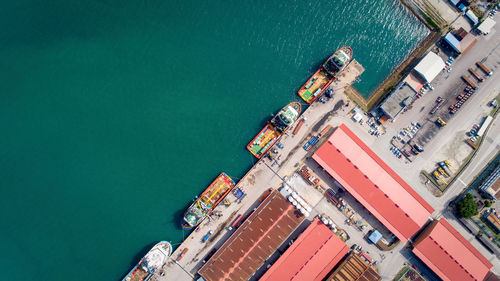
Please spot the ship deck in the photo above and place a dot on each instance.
(217, 189)
(320, 83)
(138, 275)
(267, 136)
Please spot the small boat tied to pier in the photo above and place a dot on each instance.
(150, 263)
(325, 75)
(208, 200)
(274, 129)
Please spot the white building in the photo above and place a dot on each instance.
(486, 26)
(430, 66)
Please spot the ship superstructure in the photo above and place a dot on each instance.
(208, 200)
(325, 75)
(274, 129)
(151, 262)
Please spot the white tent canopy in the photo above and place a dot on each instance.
(430, 66)
(486, 26)
(357, 117)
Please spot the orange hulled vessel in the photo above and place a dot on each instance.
(208, 200)
(274, 129)
(325, 75)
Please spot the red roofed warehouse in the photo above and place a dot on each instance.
(311, 256)
(255, 241)
(449, 254)
(368, 179)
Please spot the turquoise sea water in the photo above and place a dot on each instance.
(115, 114)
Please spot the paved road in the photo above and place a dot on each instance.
(472, 112)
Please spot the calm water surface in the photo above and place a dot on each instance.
(115, 114)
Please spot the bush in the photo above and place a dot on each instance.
(467, 207)
(487, 203)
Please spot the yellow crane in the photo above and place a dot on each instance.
(449, 164)
(442, 172)
(438, 177)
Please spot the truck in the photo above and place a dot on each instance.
(207, 236)
(311, 143)
(439, 101)
(418, 148)
(330, 195)
(469, 82)
(181, 255)
(484, 126)
(484, 68)
(471, 143)
(235, 223)
(440, 122)
(479, 78)
(325, 130)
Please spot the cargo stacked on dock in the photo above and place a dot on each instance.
(325, 75)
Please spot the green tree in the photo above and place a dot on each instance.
(467, 207)
(487, 203)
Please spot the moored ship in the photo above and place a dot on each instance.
(152, 261)
(274, 129)
(208, 200)
(325, 75)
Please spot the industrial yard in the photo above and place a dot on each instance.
(315, 174)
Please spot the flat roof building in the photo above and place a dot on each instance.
(354, 268)
(315, 252)
(254, 241)
(494, 221)
(472, 17)
(375, 236)
(373, 183)
(460, 45)
(397, 101)
(486, 26)
(491, 184)
(449, 254)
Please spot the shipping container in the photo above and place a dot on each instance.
(484, 68)
(469, 82)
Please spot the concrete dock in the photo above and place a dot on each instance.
(263, 175)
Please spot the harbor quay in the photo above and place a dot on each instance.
(187, 259)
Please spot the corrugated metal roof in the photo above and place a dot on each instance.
(467, 42)
(311, 256)
(353, 268)
(256, 239)
(453, 42)
(363, 174)
(472, 17)
(449, 254)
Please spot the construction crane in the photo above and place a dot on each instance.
(438, 177)
(442, 172)
(449, 164)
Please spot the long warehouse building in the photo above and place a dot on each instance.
(255, 240)
(450, 255)
(315, 252)
(373, 183)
